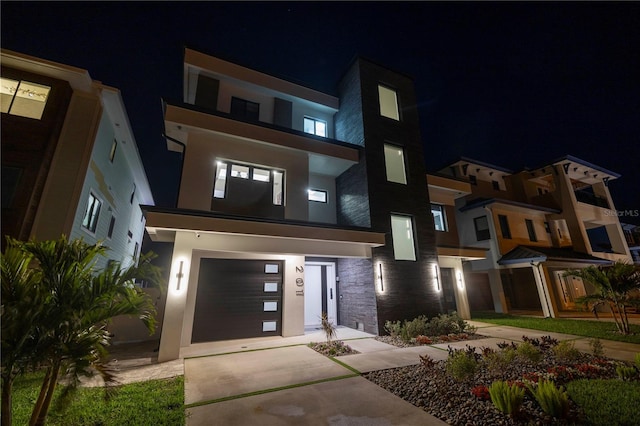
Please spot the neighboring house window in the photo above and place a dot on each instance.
(133, 194)
(388, 102)
(482, 228)
(112, 224)
(439, 219)
(318, 195)
(547, 228)
(242, 108)
(402, 235)
(496, 185)
(315, 126)
(394, 164)
(531, 229)
(90, 219)
(135, 252)
(112, 153)
(23, 98)
(473, 180)
(504, 226)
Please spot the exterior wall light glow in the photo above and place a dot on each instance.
(380, 282)
(459, 279)
(179, 275)
(436, 277)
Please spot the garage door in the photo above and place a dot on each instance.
(238, 299)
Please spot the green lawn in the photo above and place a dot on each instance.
(156, 402)
(607, 402)
(587, 328)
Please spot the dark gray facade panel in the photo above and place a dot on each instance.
(352, 196)
(356, 294)
(207, 92)
(283, 113)
(348, 121)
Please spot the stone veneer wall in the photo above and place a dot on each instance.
(356, 295)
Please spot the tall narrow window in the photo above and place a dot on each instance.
(439, 220)
(90, 219)
(482, 228)
(504, 226)
(112, 153)
(388, 102)
(278, 187)
(402, 235)
(315, 126)
(394, 164)
(221, 180)
(531, 230)
(112, 224)
(133, 194)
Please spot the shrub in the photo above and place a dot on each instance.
(596, 347)
(423, 340)
(394, 328)
(498, 361)
(461, 365)
(448, 324)
(528, 351)
(625, 373)
(505, 397)
(566, 351)
(637, 360)
(481, 392)
(553, 401)
(414, 328)
(544, 343)
(427, 361)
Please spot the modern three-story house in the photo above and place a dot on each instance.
(293, 202)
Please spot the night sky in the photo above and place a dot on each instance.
(511, 84)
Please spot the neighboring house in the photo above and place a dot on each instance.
(537, 224)
(70, 164)
(452, 256)
(294, 202)
(632, 237)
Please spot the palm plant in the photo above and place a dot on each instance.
(617, 287)
(328, 328)
(76, 303)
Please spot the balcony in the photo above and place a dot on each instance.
(588, 197)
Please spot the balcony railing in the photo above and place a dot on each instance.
(592, 199)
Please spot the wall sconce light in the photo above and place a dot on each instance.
(380, 277)
(436, 276)
(459, 278)
(179, 275)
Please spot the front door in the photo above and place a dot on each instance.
(319, 294)
(448, 290)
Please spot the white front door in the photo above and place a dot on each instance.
(319, 293)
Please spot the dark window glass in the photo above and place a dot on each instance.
(531, 229)
(245, 109)
(90, 219)
(112, 224)
(504, 226)
(482, 228)
(496, 185)
(473, 180)
(10, 179)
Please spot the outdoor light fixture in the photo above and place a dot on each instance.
(380, 276)
(179, 275)
(436, 276)
(460, 283)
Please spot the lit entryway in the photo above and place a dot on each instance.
(319, 293)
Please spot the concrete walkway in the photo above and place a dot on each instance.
(281, 381)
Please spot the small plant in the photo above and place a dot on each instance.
(481, 392)
(528, 351)
(394, 328)
(544, 343)
(626, 373)
(497, 361)
(596, 347)
(566, 351)
(461, 365)
(505, 397)
(328, 328)
(561, 373)
(423, 340)
(553, 401)
(505, 345)
(427, 361)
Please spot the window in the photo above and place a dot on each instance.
(531, 229)
(402, 235)
(278, 188)
(261, 175)
(482, 228)
(112, 153)
(133, 194)
(23, 98)
(394, 164)
(135, 252)
(504, 226)
(473, 180)
(112, 224)
(245, 109)
(388, 102)
(90, 219)
(221, 180)
(439, 219)
(496, 185)
(317, 195)
(315, 126)
(239, 171)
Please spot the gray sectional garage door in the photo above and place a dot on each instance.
(237, 299)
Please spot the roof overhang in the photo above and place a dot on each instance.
(532, 255)
(515, 205)
(466, 253)
(238, 234)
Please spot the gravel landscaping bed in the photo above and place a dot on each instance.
(431, 387)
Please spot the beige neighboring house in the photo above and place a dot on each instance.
(70, 164)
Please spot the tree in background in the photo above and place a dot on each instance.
(65, 328)
(617, 286)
